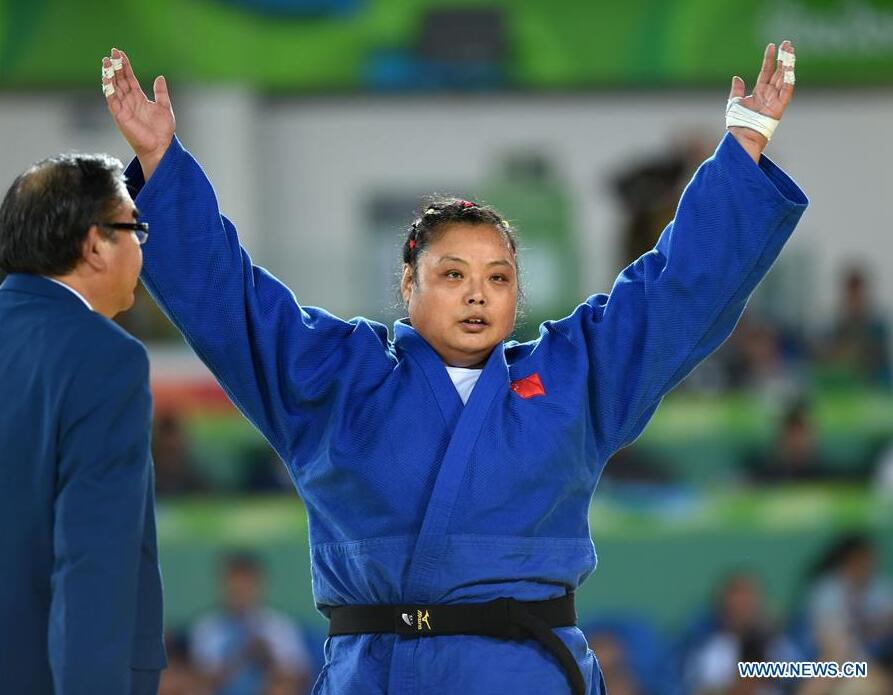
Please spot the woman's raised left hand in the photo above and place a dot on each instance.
(770, 97)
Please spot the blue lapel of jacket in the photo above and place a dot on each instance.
(466, 425)
(448, 400)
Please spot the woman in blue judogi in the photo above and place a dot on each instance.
(447, 474)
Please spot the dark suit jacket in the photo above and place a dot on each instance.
(80, 589)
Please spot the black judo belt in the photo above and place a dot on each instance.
(504, 618)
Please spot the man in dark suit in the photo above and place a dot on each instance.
(80, 589)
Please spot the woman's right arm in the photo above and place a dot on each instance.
(277, 360)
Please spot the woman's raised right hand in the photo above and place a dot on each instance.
(148, 126)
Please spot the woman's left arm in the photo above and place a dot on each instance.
(677, 303)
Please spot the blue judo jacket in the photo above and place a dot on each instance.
(414, 498)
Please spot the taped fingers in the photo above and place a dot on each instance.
(118, 78)
(108, 88)
(787, 60)
(785, 66)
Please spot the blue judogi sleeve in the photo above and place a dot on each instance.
(99, 521)
(677, 303)
(276, 360)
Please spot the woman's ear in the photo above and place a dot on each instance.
(406, 284)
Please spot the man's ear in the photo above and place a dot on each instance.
(406, 283)
(94, 249)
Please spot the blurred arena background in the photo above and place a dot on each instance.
(762, 489)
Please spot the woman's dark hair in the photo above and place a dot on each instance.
(442, 212)
(49, 209)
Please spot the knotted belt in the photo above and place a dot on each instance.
(504, 618)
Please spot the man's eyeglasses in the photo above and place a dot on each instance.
(140, 229)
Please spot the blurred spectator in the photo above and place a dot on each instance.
(633, 655)
(850, 604)
(649, 192)
(760, 358)
(179, 678)
(175, 472)
(612, 659)
(857, 344)
(737, 628)
(244, 648)
(794, 456)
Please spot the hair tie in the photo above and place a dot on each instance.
(466, 204)
(411, 244)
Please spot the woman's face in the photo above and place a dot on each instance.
(466, 294)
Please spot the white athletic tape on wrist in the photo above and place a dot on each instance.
(738, 115)
(117, 63)
(108, 89)
(108, 72)
(787, 58)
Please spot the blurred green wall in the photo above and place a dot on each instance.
(556, 44)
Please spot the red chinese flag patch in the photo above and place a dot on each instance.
(529, 386)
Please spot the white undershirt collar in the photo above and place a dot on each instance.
(463, 379)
